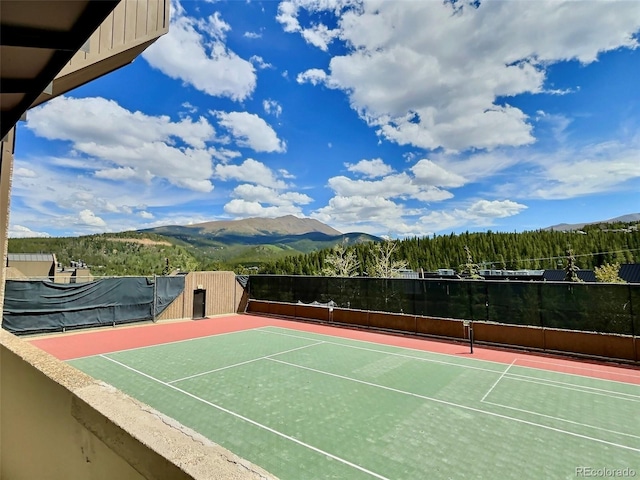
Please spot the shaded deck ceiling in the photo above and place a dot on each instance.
(37, 39)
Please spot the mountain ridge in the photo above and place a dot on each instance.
(256, 226)
(258, 239)
(563, 227)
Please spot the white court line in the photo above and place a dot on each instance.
(243, 363)
(390, 353)
(262, 329)
(578, 388)
(496, 382)
(562, 419)
(584, 368)
(248, 420)
(464, 407)
(169, 343)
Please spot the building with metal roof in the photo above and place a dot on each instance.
(630, 272)
(559, 275)
(34, 265)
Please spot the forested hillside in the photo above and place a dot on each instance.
(144, 253)
(134, 253)
(594, 246)
(125, 253)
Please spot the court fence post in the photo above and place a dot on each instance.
(155, 295)
(633, 327)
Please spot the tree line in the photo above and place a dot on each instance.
(131, 253)
(592, 247)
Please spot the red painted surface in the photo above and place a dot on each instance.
(82, 344)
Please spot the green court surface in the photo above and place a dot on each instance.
(305, 406)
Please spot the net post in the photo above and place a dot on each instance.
(468, 331)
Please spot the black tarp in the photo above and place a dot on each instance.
(41, 306)
(167, 290)
(594, 307)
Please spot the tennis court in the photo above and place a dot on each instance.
(308, 403)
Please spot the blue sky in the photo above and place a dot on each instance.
(395, 118)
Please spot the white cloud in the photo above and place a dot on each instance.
(102, 121)
(189, 107)
(370, 168)
(390, 202)
(262, 194)
(313, 76)
(194, 51)
(272, 107)
(146, 215)
(259, 62)
(242, 208)
(594, 169)
(399, 185)
(285, 173)
(563, 172)
(557, 123)
(356, 209)
(251, 131)
(124, 173)
(252, 35)
(128, 144)
(224, 155)
(428, 173)
(52, 200)
(399, 203)
(440, 74)
(439, 221)
(480, 213)
(19, 231)
(390, 186)
(429, 194)
(482, 165)
(87, 217)
(320, 36)
(214, 26)
(251, 171)
(179, 219)
(317, 34)
(495, 209)
(24, 172)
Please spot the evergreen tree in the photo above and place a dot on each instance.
(469, 269)
(571, 270)
(165, 270)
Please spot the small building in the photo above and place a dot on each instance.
(73, 275)
(406, 273)
(33, 265)
(523, 274)
(630, 272)
(560, 275)
(44, 266)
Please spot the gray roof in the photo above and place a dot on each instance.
(630, 272)
(30, 257)
(559, 275)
